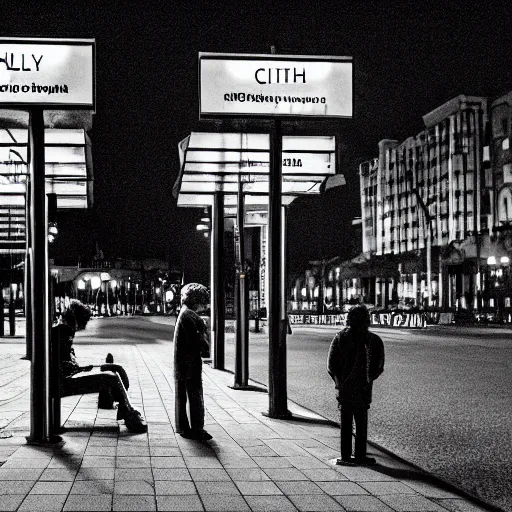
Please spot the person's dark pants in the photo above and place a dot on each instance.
(120, 370)
(359, 415)
(191, 389)
(94, 384)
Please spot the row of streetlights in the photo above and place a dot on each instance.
(103, 281)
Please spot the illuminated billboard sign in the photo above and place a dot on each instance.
(238, 85)
(56, 73)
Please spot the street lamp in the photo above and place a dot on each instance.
(205, 224)
(95, 282)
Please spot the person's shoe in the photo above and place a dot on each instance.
(202, 435)
(198, 435)
(345, 461)
(135, 422)
(366, 461)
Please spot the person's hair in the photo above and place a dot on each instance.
(358, 317)
(76, 315)
(195, 294)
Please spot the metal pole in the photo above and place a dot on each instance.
(277, 394)
(428, 225)
(28, 300)
(257, 264)
(219, 323)
(2, 316)
(39, 389)
(244, 327)
(241, 373)
(12, 310)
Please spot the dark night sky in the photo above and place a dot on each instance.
(409, 58)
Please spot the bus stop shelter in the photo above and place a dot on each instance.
(64, 144)
(229, 173)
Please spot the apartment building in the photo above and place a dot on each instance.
(436, 215)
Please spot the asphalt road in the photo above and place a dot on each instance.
(443, 403)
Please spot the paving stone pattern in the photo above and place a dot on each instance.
(253, 462)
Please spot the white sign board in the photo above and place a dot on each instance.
(238, 85)
(47, 72)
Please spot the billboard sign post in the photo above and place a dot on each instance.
(276, 87)
(50, 73)
(38, 74)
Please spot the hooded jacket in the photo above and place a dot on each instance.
(355, 360)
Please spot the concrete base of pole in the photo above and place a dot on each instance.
(42, 442)
(286, 415)
(248, 387)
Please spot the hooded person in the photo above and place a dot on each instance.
(355, 360)
(190, 345)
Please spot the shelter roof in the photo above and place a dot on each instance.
(218, 162)
(68, 168)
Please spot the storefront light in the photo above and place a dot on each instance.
(113, 283)
(81, 284)
(491, 260)
(504, 260)
(95, 282)
(303, 292)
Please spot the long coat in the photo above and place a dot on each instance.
(190, 344)
(356, 359)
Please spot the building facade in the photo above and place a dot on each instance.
(436, 216)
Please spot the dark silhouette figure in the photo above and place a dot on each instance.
(190, 344)
(356, 359)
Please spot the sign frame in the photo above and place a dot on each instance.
(55, 105)
(276, 57)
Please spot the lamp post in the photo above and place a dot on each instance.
(96, 285)
(105, 278)
(80, 289)
(113, 286)
(500, 281)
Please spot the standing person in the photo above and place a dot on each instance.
(190, 344)
(356, 359)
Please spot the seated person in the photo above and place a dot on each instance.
(112, 379)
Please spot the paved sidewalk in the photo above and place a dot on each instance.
(253, 463)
